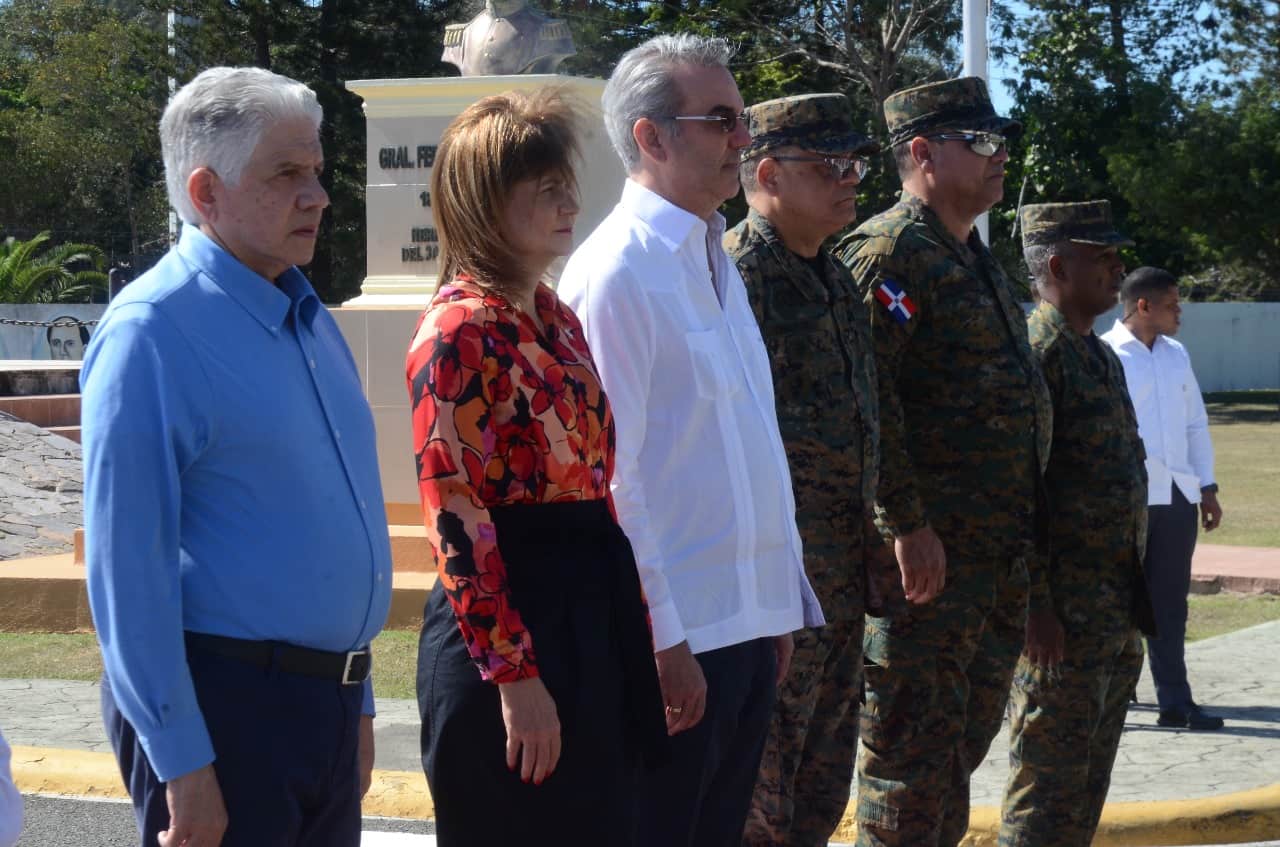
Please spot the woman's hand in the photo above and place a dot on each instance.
(533, 728)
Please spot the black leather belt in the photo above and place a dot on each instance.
(351, 668)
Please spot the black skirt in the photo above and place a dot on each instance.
(572, 577)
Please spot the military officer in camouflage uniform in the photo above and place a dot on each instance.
(1083, 652)
(965, 423)
(801, 173)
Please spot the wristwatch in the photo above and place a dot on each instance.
(1211, 488)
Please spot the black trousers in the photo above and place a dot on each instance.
(285, 748)
(1171, 541)
(701, 796)
(572, 575)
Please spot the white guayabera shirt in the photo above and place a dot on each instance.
(1171, 415)
(701, 483)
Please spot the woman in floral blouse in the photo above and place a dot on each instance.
(536, 680)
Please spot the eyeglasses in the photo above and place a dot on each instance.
(982, 143)
(838, 167)
(727, 119)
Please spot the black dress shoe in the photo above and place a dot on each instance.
(1191, 718)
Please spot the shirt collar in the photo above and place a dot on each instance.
(1058, 320)
(671, 223)
(268, 303)
(967, 252)
(800, 271)
(1125, 337)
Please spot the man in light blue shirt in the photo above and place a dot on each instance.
(237, 550)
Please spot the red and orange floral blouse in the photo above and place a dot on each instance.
(502, 414)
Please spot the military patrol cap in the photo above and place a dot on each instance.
(1086, 223)
(955, 104)
(822, 123)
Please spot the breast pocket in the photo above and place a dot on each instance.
(715, 373)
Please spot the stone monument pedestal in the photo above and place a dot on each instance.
(405, 119)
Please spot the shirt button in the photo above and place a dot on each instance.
(363, 505)
(312, 362)
(337, 434)
(379, 577)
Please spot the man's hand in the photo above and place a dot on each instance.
(1046, 640)
(1210, 511)
(786, 647)
(923, 563)
(533, 728)
(364, 753)
(684, 689)
(197, 817)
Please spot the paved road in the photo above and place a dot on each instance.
(61, 822)
(1234, 675)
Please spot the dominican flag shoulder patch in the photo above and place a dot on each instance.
(893, 298)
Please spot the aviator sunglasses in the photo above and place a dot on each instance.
(982, 143)
(838, 167)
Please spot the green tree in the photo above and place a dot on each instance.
(34, 271)
(81, 87)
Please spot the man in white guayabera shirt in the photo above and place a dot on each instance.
(701, 484)
(1175, 432)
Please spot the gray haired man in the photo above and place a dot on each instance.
(701, 484)
(237, 551)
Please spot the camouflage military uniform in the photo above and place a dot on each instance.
(965, 426)
(1065, 725)
(816, 330)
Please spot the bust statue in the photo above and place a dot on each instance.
(507, 38)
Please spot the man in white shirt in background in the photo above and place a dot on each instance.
(701, 485)
(1175, 432)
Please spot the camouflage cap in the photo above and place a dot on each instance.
(955, 104)
(822, 123)
(1086, 223)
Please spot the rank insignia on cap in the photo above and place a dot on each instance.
(893, 298)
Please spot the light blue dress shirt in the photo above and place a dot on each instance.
(231, 484)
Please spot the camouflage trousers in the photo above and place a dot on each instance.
(1064, 731)
(937, 682)
(807, 769)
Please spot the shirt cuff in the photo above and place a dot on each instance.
(179, 749)
(905, 517)
(668, 631)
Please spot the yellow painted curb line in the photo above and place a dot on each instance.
(1226, 819)
(80, 773)
(1229, 818)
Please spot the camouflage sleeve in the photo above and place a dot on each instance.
(1040, 563)
(899, 507)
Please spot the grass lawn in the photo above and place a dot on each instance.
(75, 656)
(1245, 427)
(1215, 614)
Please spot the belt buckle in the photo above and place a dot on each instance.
(346, 669)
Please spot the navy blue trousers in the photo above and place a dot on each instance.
(1171, 541)
(701, 796)
(285, 748)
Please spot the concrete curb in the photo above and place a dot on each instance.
(1226, 819)
(80, 773)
